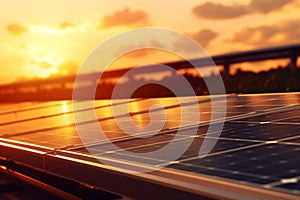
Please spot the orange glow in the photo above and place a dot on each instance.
(64, 106)
(36, 42)
(42, 29)
(44, 66)
(144, 57)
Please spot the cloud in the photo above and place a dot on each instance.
(65, 25)
(54, 29)
(68, 68)
(16, 29)
(277, 34)
(218, 11)
(203, 37)
(125, 17)
(267, 6)
(42, 64)
(215, 11)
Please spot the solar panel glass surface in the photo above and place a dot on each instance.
(259, 144)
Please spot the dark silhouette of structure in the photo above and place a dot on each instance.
(60, 88)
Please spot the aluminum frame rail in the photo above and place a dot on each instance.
(165, 183)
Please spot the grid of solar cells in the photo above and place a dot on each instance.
(56, 119)
(52, 119)
(256, 130)
(243, 148)
(271, 161)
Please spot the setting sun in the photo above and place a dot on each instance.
(42, 29)
(44, 66)
(40, 42)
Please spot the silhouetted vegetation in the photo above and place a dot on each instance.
(276, 80)
(283, 79)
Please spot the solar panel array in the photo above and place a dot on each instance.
(259, 145)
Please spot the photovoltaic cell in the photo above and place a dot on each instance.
(281, 117)
(259, 144)
(263, 164)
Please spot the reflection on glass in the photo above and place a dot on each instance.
(64, 106)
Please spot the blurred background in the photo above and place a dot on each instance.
(50, 39)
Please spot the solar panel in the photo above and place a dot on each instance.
(259, 146)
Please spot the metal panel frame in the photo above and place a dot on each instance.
(158, 184)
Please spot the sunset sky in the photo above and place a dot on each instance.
(43, 38)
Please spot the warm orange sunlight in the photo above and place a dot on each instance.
(38, 42)
(43, 66)
(143, 57)
(148, 99)
(42, 29)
